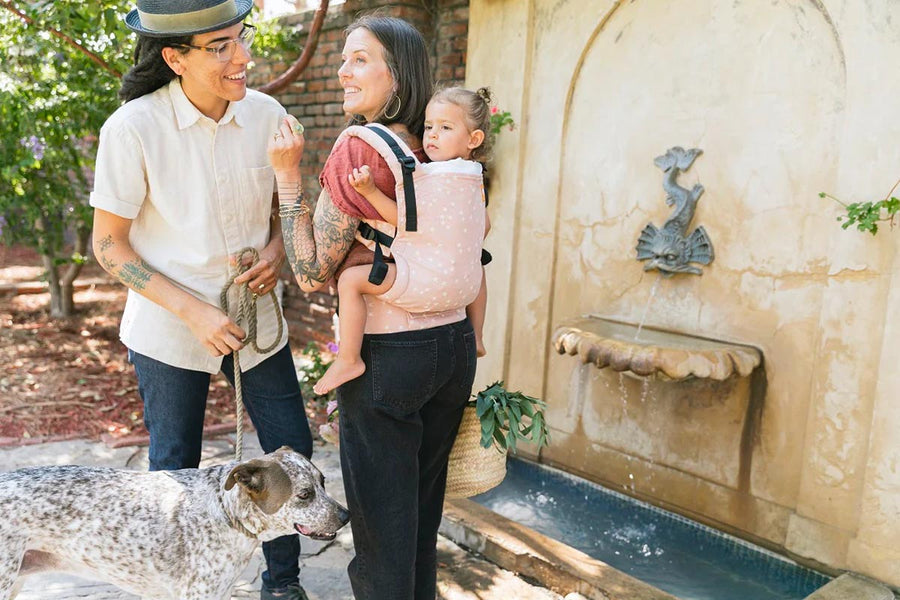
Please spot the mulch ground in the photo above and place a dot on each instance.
(70, 378)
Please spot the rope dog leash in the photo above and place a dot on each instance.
(247, 312)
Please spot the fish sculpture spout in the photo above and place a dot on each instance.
(670, 249)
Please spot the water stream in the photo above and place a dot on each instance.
(647, 306)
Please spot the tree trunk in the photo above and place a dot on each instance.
(52, 273)
(62, 289)
(62, 301)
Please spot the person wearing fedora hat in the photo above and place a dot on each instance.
(166, 18)
(183, 192)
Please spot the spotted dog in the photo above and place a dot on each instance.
(183, 534)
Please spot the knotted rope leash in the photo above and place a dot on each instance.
(246, 311)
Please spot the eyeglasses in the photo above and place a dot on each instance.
(224, 51)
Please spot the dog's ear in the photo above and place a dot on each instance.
(268, 486)
(243, 474)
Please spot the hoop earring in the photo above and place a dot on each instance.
(396, 112)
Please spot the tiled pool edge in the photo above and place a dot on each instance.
(555, 565)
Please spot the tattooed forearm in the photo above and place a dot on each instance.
(136, 274)
(295, 229)
(315, 247)
(103, 245)
(334, 233)
(108, 263)
(106, 243)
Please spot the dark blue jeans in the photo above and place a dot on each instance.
(397, 426)
(174, 406)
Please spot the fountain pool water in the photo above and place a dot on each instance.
(677, 555)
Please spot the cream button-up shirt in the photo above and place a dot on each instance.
(198, 192)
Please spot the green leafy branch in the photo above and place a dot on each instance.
(501, 119)
(507, 417)
(867, 215)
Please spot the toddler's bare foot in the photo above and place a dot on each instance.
(340, 371)
(479, 349)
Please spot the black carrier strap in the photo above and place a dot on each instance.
(485, 255)
(407, 166)
(379, 267)
(370, 233)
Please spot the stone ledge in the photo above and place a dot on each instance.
(850, 586)
(649, 351)
(41, 287)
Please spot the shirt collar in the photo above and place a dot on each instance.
(236, 111)
(186, 114)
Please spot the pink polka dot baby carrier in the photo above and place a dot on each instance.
(440, 228)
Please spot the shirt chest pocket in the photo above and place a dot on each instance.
(254, 187)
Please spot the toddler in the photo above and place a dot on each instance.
(457, 122)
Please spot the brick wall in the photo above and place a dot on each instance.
(316, 99)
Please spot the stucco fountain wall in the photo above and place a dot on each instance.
(786, 99)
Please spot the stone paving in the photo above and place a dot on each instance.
(461, 575)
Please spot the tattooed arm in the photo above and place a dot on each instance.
(218, 333)
(315, 245)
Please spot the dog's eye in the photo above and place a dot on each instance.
(304, 494)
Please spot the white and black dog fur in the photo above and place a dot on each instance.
(184, 534)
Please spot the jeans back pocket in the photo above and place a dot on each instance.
(403, 373)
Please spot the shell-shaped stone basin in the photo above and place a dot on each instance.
(605, 342)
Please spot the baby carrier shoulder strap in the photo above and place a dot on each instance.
(399, 159)
(407, 166)
(402, 165)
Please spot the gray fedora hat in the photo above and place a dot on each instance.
(165, 18)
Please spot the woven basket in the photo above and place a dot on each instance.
(473, 469)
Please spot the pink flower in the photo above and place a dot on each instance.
(332, 347)
(331, 407)
(494, 110)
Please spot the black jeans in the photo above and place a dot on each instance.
(397, 426)
(174, 407)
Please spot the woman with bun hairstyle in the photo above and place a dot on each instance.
(400, 417)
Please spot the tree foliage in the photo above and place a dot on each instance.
(53, 99)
